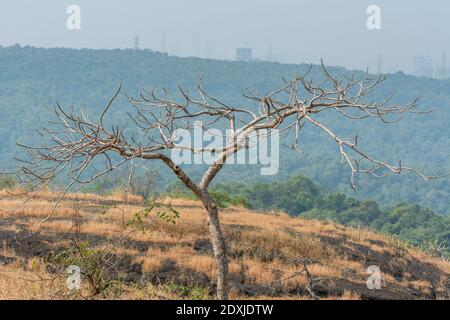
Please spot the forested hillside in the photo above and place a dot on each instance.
(32, 79)
(299, 196)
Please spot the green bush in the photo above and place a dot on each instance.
(7, 182)
(97, 265)
(436, 248)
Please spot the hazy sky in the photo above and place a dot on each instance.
(297, 30)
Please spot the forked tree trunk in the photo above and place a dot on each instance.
(217, 238)
(219, 247)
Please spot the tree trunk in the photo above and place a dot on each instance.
(219, 248)
(217, 238)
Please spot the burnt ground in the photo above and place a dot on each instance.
(404, 269)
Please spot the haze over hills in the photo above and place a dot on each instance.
(33, 78)
(214, 29)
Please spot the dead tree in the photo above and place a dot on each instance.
(74, 141)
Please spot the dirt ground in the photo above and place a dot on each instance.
(127, 252)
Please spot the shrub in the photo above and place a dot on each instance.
(436, 248)
(399, 246)
(7, 182)
(164, 212)
(97, 265)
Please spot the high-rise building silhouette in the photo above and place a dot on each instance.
(443, 73)
(244, 54)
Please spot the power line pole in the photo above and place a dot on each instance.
(136, 42)
(163, 41)
(444, 67)
(379, 63)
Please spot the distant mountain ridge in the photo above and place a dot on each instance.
(34, 78)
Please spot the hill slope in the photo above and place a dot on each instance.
(125, 252)
(32, 79)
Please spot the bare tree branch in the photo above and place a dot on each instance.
(74, 142)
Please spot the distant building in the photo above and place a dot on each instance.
(423, 66)
(244, 54)
(442, 72)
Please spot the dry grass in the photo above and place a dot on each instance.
(170, 261)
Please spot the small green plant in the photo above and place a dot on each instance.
(198, 293)
(400, 246)
(7, 182)
(178, 289)
(195, 293)
(164, 212)
(97, 265)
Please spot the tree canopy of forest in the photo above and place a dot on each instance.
(299, 196)
(32, 79)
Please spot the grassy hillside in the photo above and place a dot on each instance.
(127, 252)
(299, 196)
(32, 79)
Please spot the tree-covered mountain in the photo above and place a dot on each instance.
(32, 79)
